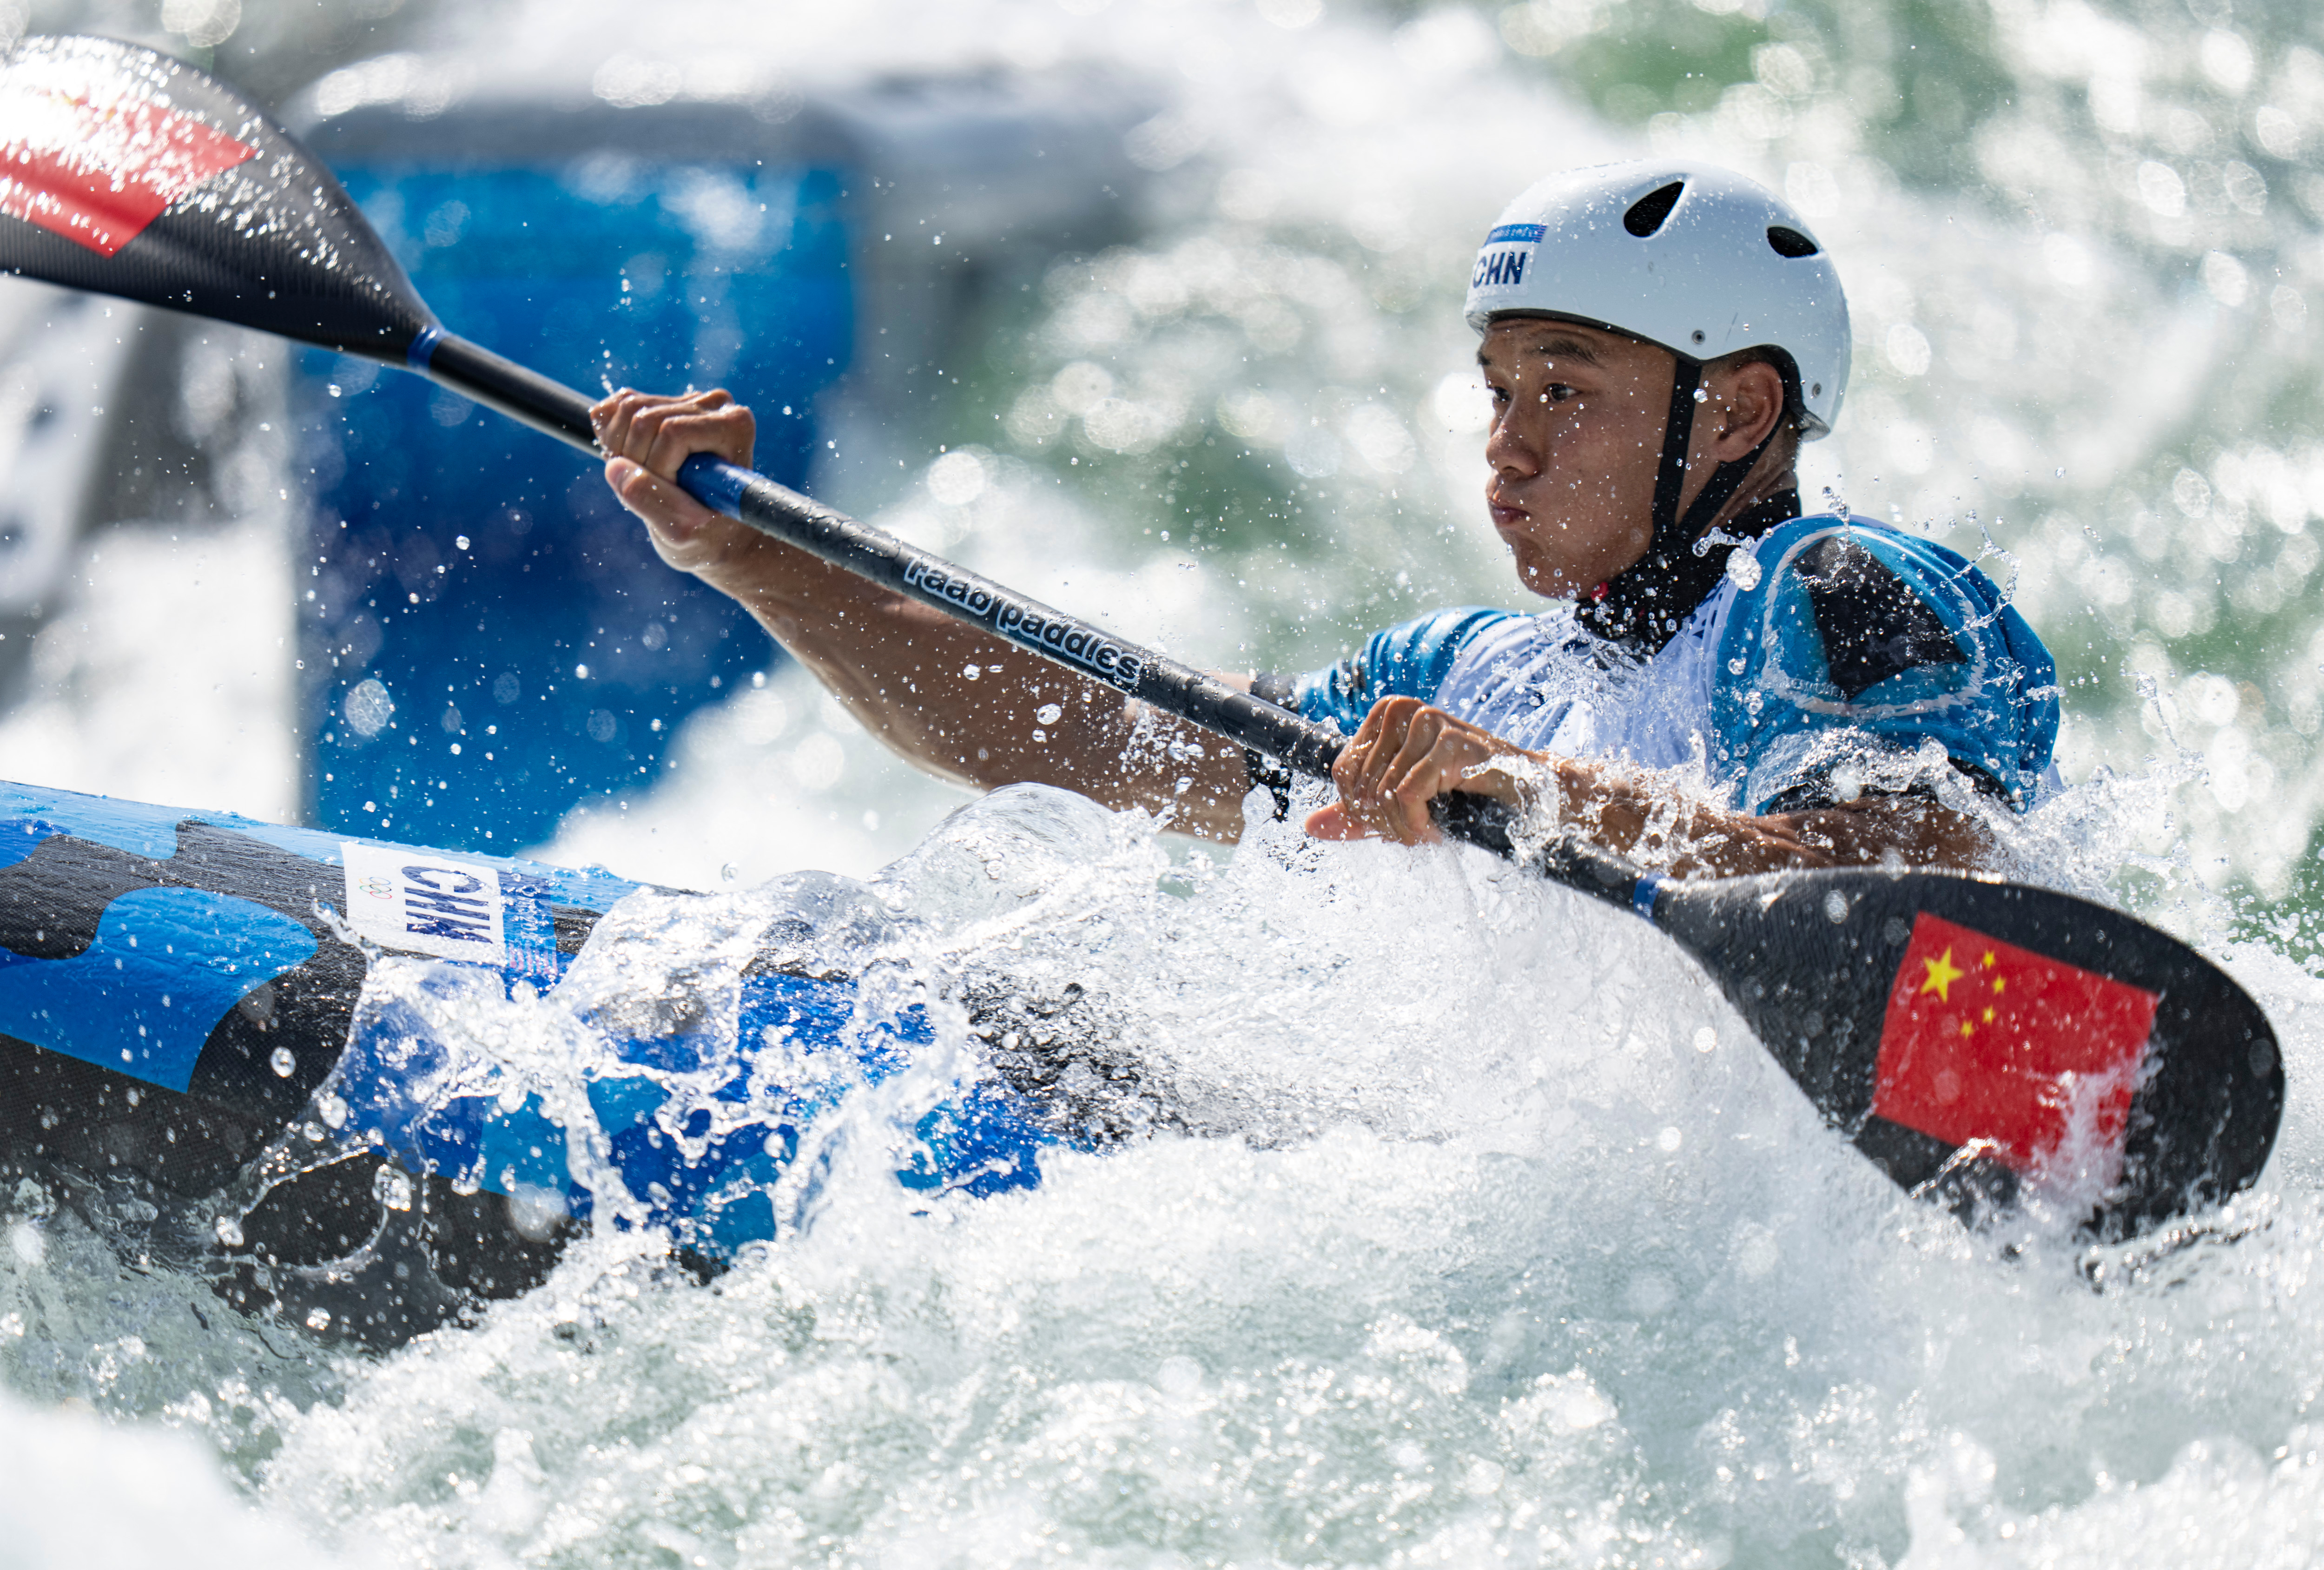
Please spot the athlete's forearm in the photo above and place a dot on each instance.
(962, 703)
(1631, 815)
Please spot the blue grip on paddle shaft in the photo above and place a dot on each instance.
(422, 355)
(714, 483)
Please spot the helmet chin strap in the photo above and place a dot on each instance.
(1643, 606)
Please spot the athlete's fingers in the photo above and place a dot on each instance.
(1453, 750)
(1335, 822)
(1459, 748)
(1357, 760)
(626, 422)
(1404, 755)
(1338, 821)
(625, 431)
(609, 417)
(645, 430)
(1368, 733)
(1408, 782)
(728, 432)
(675, 519)
(1367, 758)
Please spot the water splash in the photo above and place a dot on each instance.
(1435, 1232)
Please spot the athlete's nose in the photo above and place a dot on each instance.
(1510, 453)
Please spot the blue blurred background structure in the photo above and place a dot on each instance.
(487, 640)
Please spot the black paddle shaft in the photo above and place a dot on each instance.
(134, 174)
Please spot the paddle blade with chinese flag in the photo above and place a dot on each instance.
(95, 169)
(133, 174)
(1960, 1028)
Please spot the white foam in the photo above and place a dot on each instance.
(1436, 1286)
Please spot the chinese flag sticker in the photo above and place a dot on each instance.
(1986, 1040)
(94, 164)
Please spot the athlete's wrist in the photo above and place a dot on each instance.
(757, 570)
(1526, 783)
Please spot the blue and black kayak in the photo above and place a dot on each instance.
(189, 1053)
(300, 1063)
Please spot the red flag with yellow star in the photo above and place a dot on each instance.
(1986, 1040)
(95, 164)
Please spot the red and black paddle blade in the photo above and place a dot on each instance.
(1970, 1035)
(130, 173)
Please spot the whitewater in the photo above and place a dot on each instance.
(1461, 1223)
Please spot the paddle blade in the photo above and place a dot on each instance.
(130, 173)
(1970, 1034)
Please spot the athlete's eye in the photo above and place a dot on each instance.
(1557, 393)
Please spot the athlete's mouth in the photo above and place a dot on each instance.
(1507, 514)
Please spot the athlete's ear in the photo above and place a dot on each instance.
(1748, 400)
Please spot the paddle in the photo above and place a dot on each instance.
(2086, 1049)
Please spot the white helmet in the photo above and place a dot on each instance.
(1697, 259)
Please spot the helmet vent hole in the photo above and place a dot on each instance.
(1647, 213)
(1787, 241)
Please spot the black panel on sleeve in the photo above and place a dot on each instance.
(1873, 626)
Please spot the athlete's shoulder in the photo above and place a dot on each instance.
(1408, 660)
(1881, 603)
(1855, 625)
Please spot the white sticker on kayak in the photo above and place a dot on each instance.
(424, 903)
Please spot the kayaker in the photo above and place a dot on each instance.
(1722, 685)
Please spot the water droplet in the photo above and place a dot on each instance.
(368, 706)
(1744, 568)
(29, 1246)
(460, 542)
(1669, 1140)
(1706, 1040)
(1835, 906)
(332, 1110)
(730, 872)
(319, 1320)
(282, 1061)
(1048, 714)
(971, 672)
(229, 1232)
(1179, 1376)
(391, 1187)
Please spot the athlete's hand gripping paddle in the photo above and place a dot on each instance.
(1966, 1033)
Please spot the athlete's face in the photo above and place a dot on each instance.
(1577, 436)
